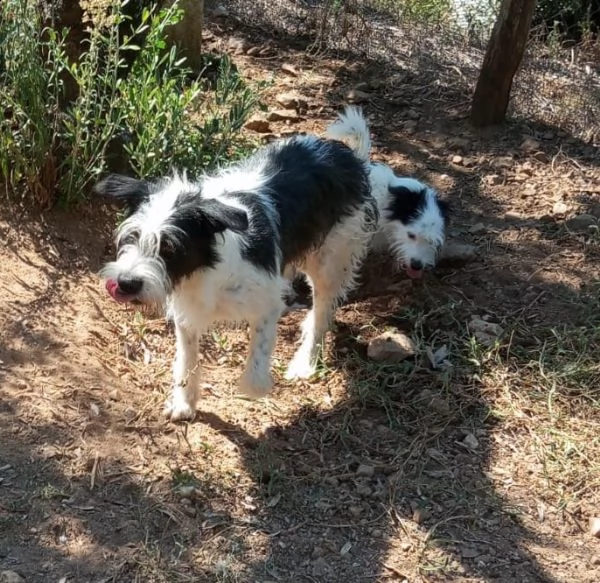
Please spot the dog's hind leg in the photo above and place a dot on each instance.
(331, 272)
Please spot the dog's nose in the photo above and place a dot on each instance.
(129, 285)
(416, 264)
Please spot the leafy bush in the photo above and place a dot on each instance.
(161, 118)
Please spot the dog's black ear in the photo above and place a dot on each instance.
(445, 209)
(221, 217)
(130, 191)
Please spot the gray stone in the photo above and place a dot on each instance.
(455, 252)
(391, 347)
(257, 124)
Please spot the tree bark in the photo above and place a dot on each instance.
(187, 34)
(503, 56)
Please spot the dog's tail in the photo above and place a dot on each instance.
(352, 126)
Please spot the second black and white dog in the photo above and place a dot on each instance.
(413, 219)
(215, 250)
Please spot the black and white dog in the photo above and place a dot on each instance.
(214, 250)
(413, 219)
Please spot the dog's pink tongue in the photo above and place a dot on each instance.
(414, 273)
(111, 288)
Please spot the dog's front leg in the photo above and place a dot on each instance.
(181, 404)
(257, 380)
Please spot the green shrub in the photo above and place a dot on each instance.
(162, 118)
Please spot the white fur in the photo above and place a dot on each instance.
(421, 239)
(235, 290)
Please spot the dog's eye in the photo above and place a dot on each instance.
(412, 236)
(131, 238)
(167, 248)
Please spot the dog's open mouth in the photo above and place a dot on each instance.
(414, 273)
(112, 287)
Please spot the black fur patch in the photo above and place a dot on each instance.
(314, 185)
(259, 245)
(446, 210)
(189, 241)
(406, 204)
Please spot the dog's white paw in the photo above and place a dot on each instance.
(178, 410)
(256, 386)
(300, 368)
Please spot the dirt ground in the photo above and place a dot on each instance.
(482, 470)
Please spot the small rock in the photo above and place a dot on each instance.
(581, 223)
(219, 11)
(413, 114)
(364, 491)
(257, 124)
(187, 492)
(470, 441)
(493, 179)
(391, 347)
(460, 143)
(190, 511)
(290, 69)
(282, 115)
(320, 567)
(478, 228)
(559, 208)
(485, 332)
(365, 471)
(397, 101)
(238, 45)
(513, 216)
(595, 527)
(420, 515)
(357, 96)
(11, 577)
(530, 145)
(504, 162)
(362, 86)
(291, 100)
(470, 552)
(345, 549)
(317, 552)
(455, 252)
(440, 405)
(356, 511)
(457, 160)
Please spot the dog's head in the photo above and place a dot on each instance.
(170, 233)
(415, 222)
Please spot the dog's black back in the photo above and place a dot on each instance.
(314, 185)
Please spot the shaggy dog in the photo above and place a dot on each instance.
(413, 219)
(215, 250)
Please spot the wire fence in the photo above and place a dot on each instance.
(555, 86)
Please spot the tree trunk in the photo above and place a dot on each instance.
(187, 34)
(502, 59)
